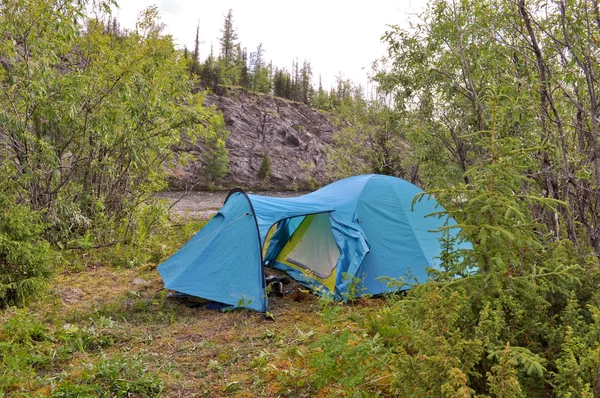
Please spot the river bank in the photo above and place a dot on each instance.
(204, 204)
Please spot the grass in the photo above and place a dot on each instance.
(103, 331)
(108, 328)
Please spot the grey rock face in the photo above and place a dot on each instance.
(293, 134)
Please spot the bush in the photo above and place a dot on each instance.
(91, 151)
(518, 315)
(24, 349)
(216, 156)
(25, 257)
(154, 237)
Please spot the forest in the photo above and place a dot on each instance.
(491, 106)
(251, 71)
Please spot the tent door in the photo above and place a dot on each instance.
(312, 250)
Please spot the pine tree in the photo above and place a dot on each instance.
(216, 157)
(278, 83)
(116, 28)
(495, 215)
(321, 99)
(295, 81)
(503, 381)
(228, 63)
(209, 74)
(261, 73)
(108, 27)
(281, 83)
(288, 86)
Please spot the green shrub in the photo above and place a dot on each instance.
(216, 156)
(152, 238)
(86, 135)
(25, 349)
(113, 377)
(25, 257)
(518, 315)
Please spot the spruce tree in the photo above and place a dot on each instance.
(306, 82)
(195, 67)
(257, 64)
(295, 81)
(228, 38)
(244, 70)
(321, 98)
(216, 157)
(264, 173)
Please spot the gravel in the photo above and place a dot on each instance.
(204, 204)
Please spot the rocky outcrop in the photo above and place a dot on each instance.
(293, 134)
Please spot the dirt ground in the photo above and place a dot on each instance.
(197, 351)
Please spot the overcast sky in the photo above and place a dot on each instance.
(338, 37)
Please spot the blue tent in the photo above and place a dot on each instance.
(363, 227)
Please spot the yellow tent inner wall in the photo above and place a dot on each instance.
(312, 250)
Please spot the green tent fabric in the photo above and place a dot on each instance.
(362, 227)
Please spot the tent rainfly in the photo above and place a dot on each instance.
(364, 227)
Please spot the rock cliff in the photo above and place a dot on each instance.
(293, 134)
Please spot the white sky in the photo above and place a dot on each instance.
(338, 37)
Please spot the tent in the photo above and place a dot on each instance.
(360, 228)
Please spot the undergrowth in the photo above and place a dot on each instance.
(69, 360)
(492, 335)
(92, 351)
(152, 242)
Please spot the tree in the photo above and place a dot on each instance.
(216, 156)
(264, 172)
(261, 73)
(295, 92)
(369, 140)
(228, 38)
(282, 83)
(244, 70)
(195, 65)
(321, 98)
(438, 73)
(210, 72)
(306, 90)
(25, 257)
(258, 65)
(91, 118)
(495, 100)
